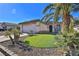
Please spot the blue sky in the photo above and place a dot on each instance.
(20, 12)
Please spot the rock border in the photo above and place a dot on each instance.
(8, 51)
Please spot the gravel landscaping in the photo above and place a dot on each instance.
(34, 51)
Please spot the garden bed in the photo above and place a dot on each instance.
(34, 51)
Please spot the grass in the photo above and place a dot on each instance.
(42, 40)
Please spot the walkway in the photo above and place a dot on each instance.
(4, 38)
(1, 54)
(3, 50)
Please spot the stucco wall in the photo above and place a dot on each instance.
(44, 27)
(33, 27)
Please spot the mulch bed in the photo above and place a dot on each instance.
(34, 51)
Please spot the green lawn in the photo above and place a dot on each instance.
(42, 40)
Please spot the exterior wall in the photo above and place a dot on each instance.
(11, 26)
(44, 27)
(33, 27)
(21, 27)
(1, 27)
(7, 26)
(36, 27)
(29, 28)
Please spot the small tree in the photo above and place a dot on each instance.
(15, 32)
(8, 33)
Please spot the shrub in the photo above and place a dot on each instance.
(27, 42)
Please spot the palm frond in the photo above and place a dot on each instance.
(50, 6)
(57, 13)
(47, 17)
(71, 16)
(75, 7)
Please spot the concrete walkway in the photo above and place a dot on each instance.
(4, 38)
(1, 54)
(9, 52)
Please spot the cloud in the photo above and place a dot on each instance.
(13, 11)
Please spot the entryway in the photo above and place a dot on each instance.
(50, 28)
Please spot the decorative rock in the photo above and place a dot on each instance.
(34, 51)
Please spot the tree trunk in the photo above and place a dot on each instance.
(13, 43)
(66, 19)
(55, 27)
(16, 38)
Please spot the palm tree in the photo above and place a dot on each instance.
(62, 10)
(16, 34)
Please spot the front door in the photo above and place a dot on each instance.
(50, 28)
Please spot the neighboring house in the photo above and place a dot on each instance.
(76, 28)
(36, 26)
(1, 26)
(7, 26)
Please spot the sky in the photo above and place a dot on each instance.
(20, 12)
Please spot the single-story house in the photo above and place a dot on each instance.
(36, 26)
(7, 26)
(76, 28)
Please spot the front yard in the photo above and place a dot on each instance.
(42, 40)
(40, 46)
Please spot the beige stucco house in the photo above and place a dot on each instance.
(36, 26)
